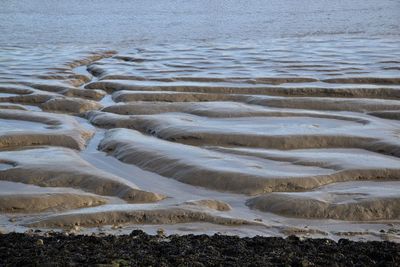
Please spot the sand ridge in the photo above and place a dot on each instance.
(177, 137)
(285, 131)
(153, 216)
(61, 167)
(235, 173)
(351, 201)
(58, 130)
(32, 203)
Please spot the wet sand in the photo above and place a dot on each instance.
(108, 141)
(241, 118)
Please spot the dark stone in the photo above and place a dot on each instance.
(140, 249)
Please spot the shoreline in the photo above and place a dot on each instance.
(156, 135)
(141, 249)
(200, 133)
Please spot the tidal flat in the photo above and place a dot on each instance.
(220, 121)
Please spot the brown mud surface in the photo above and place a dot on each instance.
(238, 140)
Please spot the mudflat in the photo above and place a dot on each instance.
(256, 128)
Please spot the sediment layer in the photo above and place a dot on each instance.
(59, 167)
(50, 129)
(366, 92)
(347, 201)
(153, 216)
(221, 171)
(286, 131)
(307, 140)
(32, 203)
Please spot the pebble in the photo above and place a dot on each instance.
(161, 232)
(116, 226)
(140, 249)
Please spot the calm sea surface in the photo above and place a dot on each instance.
(126, 22)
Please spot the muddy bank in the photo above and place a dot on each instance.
(352, 201)
(61, 167)
(235, 140)
(246, 175)
(30, 203)
(140, 249)
(169, 215)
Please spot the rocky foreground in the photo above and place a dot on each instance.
(140, 249)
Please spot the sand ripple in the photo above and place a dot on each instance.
(201, 131)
